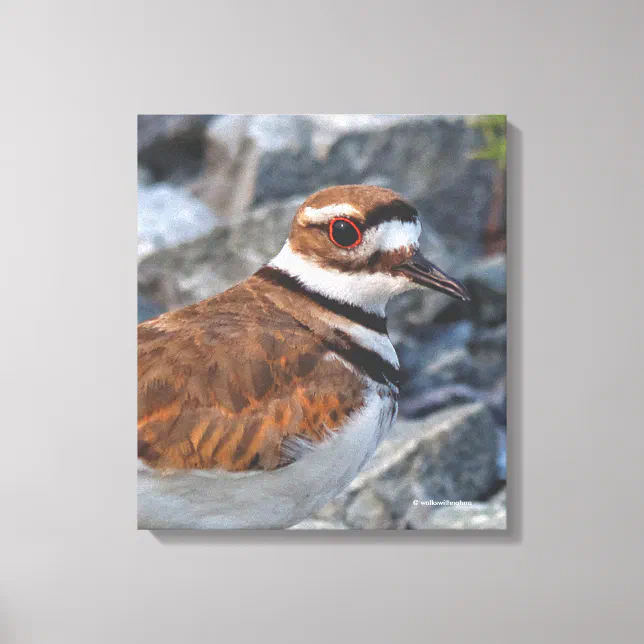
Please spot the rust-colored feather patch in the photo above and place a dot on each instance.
(225, 382)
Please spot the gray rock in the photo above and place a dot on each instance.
(431, 148)
(431, 341)
(254, 159)
(314, 524)
(197, 270)
(448, 456)
(330, 128)
(443, 371)
(459, 210)
(144, 176)
(147, 310)
(231, 252)
(153, 128)
(438, 369)
(491, 515)
(172, 147)
(168, 217)
(427, 401)
(489, 272)
(501, 458)
(486, 281)
(493, 340)
(367, 510)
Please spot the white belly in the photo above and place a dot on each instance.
(214, 499)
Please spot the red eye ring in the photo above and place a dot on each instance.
(333, 234)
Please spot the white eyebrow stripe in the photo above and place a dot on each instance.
(322, 215)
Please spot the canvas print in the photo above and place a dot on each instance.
(322, 322)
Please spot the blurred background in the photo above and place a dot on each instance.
(216, 195)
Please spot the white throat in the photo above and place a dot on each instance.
(369, 291)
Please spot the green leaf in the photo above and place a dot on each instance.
(493, 129)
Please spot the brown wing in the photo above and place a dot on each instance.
(236, 383)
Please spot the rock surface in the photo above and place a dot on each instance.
(171, 147)
(314, 524)
(477, 516)
(147, 309)
(168, 217)
(450, 456)
(253, 172)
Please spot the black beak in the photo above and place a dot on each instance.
(421, 271)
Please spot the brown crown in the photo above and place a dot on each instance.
(364, 199)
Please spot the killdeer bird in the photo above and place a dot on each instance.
(259, 405)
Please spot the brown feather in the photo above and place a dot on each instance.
(224, 383)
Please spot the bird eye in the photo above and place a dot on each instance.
(344, 233)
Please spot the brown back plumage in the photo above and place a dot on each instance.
(237, 382)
